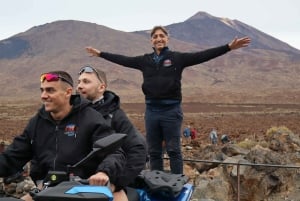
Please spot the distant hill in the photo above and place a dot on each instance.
(265, 72)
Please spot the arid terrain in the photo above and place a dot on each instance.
(239, 121)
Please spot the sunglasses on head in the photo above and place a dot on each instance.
(89, 69)
(54, 77)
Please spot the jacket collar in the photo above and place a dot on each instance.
(157, 58)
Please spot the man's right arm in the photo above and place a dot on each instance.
(15, 156)
(18, 153)
(131, 62)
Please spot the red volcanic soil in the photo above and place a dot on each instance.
(239, 121)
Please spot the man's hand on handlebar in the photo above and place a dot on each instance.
(100, 179)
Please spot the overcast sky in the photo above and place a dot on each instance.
(278, 18)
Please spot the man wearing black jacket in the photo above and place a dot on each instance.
(92, 84)
(61, 134)
(162, 72)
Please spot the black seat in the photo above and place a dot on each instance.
(132, 194)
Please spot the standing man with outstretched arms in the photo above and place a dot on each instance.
(162, 72)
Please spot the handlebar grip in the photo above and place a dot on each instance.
(84, 181)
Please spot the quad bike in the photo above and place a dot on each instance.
(148, 186)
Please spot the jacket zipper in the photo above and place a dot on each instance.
(56, 146)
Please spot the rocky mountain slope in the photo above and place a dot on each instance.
(265, 72)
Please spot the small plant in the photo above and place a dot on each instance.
(264, 144)
(247, 144)
(278, 130)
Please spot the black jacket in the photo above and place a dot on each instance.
(54, 146)
(162, 79)
(134, 145)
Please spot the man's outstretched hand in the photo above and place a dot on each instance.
(239, 42)
(93, 51)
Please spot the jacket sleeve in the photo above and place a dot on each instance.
(131, 62)
(113, 163)
(194, 58)
(134, 146)
(17, 154)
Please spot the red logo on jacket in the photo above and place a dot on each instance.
(70, 130)
(167, 63)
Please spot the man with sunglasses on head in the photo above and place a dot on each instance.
(61, 134)
(92, 84)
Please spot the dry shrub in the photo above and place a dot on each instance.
(247, 144)
(264, 144)
(277, 130)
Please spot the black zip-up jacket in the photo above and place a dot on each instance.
(162, 78)
(134, 145)
(54, 146)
